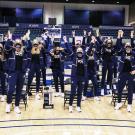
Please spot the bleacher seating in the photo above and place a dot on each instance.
(3, 30)
(67, 29)
(124, 96)
(113, 31)
(35, 32)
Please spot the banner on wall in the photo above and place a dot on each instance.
(52, 30)
(116, 27)
(76, 27)
(4, 25)
(78, 39)
(55, 32)
(23, 25)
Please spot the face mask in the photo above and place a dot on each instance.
(79, 54)
(35, 45)
(128, 51)
(57, 52)
(18, 47)
(109, 45)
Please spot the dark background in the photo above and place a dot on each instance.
(94, 18)
(21, 15)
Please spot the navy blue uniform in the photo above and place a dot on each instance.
(118, 52)
(44, 54)
(91, 55)
(57, 66)
(34, 69)
(78, 75)
(125, 67)
(107, 65)
(36, 63)
(17, 66)
(43, 70)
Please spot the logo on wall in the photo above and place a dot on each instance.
(55, 32)
(78, 39)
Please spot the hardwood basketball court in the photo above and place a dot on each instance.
(97, 118)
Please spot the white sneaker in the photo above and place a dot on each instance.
(8, 108)
(62, 95)
(129, 108)
(2, 98)
(28, 97)
(108, 87)
(37, 97)
(97, 98)
(118, 106)
(17, 110)
(78, 109)
(70, 109)
(114, 87)
(134, 96)
(102, 92)
(57, 94)
(83, 98)
(109, 92)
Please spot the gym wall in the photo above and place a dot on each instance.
(56, 10)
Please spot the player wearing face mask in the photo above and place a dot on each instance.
(17, 67)
(92, 58)
(78, 74)
(44, 52)
(126, 75)
(107, 53)
(35, 64)
(58, 55)
(45, 43)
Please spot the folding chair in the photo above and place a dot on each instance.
(115, 95)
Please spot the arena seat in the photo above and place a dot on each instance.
(3, 30)
(67, 29)
(35, 32)
(23, 98)
(115, 94)
(112, 31)
(67, 98)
